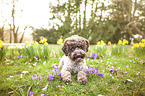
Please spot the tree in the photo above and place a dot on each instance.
(127, 14)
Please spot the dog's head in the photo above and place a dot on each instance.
(75, 47)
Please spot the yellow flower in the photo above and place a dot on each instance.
(143, 40)
(125, 42)
(136, 45)
(43, 40)
(102, 42)
(109, 42)
(1, 41)
(60, 41)
(114, 45)
(27, 43)
(36, 43)
(141, 44)
(98, 43)
(1, 45)
(45, 43)
(119, 42)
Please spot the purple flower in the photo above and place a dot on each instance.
(86, 71)
(138, 73)
(95, 71)
(37, 76)
(51, 77)
(37, 56)
(94, 56)
(115, 71)
(90, 68)
(111, 70)
(59, 74)
(54, 69)
(19, 57)
(33, 77)
(31, 93)
(43, 94)
(40, 77)
(60, 78)
(100, 74)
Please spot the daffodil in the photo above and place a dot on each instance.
(60, 41)
(1, 45)
(45, 43)
(136, 45)
(27, 43)
(36, 43)
(114, 45)
(98, 43)
(143, 40)
(43, 40)
(119, 42)
(101, 42)
(1, 41)
(124, 42)
(109, 42)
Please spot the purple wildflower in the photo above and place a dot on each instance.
(90, 68)
(60, 78)
(31, 93)
(37, 56)
(94, 56)
(95, 71)
(86, 71)
(33, 77)
(111, 70)
(100, 74)
(37, 76)
(43, 94)
(19, 57)
(59, 74)
(138, 73)
(51, 77)
(54, 69)
(40, 77)
(115, 70)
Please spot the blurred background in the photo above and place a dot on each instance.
(108, 20)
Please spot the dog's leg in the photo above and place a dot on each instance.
(82, 77)
(66, 76)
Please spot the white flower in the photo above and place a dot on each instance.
(25, 72)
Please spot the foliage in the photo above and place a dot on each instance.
(51, 35)
(3, 51)
(120, 23)
(139, 48)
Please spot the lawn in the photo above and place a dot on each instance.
(123, 74)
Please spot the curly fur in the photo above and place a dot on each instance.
(75, 49)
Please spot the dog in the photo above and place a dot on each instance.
(75, 49)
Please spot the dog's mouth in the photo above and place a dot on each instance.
(78, 57)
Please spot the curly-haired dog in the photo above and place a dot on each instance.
(75, 49)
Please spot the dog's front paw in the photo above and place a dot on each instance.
(82, 80)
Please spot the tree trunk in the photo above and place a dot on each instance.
(84, 19)
(10, 33)
(2, 33)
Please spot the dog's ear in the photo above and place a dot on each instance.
(65, 48)
(87, 45)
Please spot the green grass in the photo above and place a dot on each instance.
(16, 83)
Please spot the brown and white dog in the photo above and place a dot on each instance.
(75, 49)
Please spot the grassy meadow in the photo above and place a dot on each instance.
(32, 71)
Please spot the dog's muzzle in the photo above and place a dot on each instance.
(78, 55)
